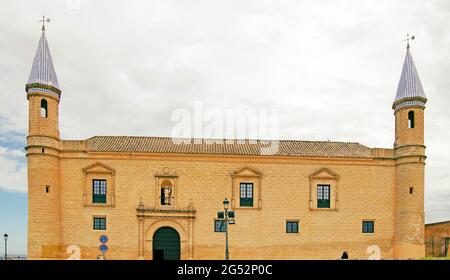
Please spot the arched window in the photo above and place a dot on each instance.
(411, 119)
(44, 111)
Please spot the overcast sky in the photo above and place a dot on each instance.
(330, 68)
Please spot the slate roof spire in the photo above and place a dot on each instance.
(410, 91)
(43, 76)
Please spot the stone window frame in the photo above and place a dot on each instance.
(324, 176)
(165, 175)
(246, 175)
(100, 171)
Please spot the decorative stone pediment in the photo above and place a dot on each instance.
(98, 167)
(166, 172)
(324, 173)
(246, 172)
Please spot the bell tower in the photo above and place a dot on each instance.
(43, 145)
(409, 109)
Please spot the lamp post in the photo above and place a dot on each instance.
(225, 208)
(227, 217)
(5, 236)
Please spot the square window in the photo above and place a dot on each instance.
(219, 226)
(292, 227)
(368, 227)
(99, 223)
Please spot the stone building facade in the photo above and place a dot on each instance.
(156, 198)
(437, 239)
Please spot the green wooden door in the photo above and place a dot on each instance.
(166, 244)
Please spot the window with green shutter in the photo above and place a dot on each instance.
(246, 194)
(368, 226)
(99, 223)
(98, 191)
(323, 196)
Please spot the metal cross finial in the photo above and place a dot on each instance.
(44, 20)
(408, 38)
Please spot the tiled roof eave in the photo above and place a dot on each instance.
(228, 154)
(284, 148)
(42, 86)
(406, 99)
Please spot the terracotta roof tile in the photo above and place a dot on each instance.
(227, 147)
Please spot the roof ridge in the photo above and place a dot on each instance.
(225, 139)
(290, 148)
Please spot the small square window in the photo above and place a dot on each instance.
(292, 227)
(99, 223)
(219, 226)
(368, 226)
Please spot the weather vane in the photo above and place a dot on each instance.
(44, 20)
(409, 38)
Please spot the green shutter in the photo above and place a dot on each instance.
(248, 202)
(99, 198)
(323, 203)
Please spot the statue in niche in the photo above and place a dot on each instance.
(167, 192)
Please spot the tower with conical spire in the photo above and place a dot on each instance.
(409, 150)
(43, 146)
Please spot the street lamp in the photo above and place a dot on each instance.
(5, 236)
(227, 217)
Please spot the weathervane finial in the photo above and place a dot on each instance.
(44, 20)
(409, 38)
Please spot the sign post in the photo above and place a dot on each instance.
(103, 247)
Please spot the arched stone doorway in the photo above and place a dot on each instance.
(166, 244)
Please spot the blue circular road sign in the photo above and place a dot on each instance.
(103, 239)
(103, 248)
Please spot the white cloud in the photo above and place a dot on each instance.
(5, 152)
(13, 175)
